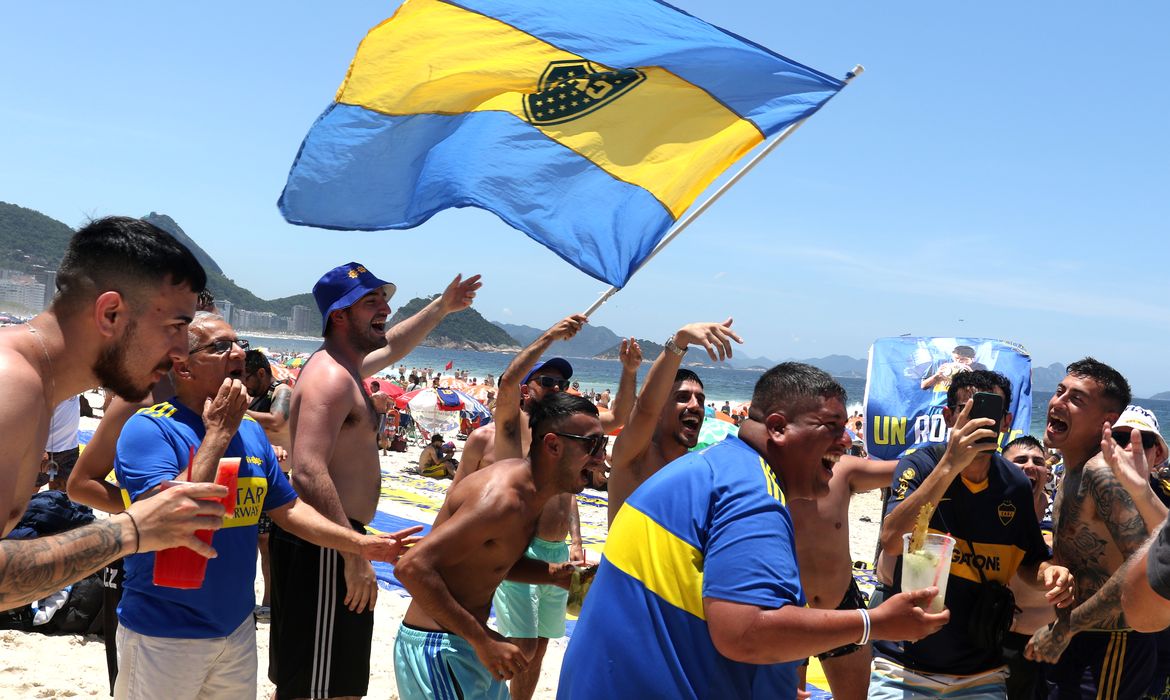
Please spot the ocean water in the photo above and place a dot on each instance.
(720, 384)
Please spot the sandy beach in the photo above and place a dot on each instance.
(66, 666)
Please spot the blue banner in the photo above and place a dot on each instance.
(907, 384)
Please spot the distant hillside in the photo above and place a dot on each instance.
(838, 365)
(587, 343)
(1162, 396)
(1046, 378)
(651, 350)
(29, 239)
(464, 329)
(169, 225)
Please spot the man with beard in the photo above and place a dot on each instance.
(201, 643)
(529, 615)
(322, 600)
(125, 294)
(668, 414)
(1097, 527)
(698, 594)
(445, 648)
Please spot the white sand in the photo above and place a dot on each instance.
(40, 666)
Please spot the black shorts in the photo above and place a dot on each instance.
(1116, 665)
(853, 600)
(318, 648)
(61, 463)
(264, 524)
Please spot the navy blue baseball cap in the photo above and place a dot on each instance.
(560, 364)
(342, 286)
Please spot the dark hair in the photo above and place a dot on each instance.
(254, 361)
(788, 385)
(205, 301)
(546, 414)
(685, 375)
(436, 438)
(122, 254)
(375, 386)
(1025, 442)
(964, 350)
(980, 380)
(1113, 385)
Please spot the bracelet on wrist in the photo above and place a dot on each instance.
(137, 532)
(865, 627)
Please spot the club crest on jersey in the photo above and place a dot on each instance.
(1007, 511)
(569, 90)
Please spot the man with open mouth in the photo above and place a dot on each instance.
(1091, 646)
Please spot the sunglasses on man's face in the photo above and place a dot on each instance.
(1122, 439)
(549, 382)
(594, 444)
(219, 347)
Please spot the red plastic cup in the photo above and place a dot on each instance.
(228, 475)
(182, 567)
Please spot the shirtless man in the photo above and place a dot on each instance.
(1097, 527)
(382, 403)
(445, 648)
(826, 565)
(511, 437)
(326, 652)
(669, 412)
(125, 294)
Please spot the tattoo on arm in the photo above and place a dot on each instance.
(1102, 610)
(280, 404)
(1117, 511)
(33, 569)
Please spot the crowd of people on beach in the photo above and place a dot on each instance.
(724, 570)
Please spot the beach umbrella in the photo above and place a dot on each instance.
(472, 408)
(434, 411)
(714, 431)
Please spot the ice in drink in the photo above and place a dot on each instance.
(929, 566)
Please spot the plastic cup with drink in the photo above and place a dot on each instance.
(180, 567)
(928, 566)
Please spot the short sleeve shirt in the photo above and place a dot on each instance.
(154, 446)
(710, 524)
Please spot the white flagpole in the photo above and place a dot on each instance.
(694, 214)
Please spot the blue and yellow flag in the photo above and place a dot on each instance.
(590, 126)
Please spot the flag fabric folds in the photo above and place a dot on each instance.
(590, 127)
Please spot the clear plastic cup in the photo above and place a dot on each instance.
(930, 566)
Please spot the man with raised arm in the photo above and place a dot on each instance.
(125, 294)
(530, 615)
(1092, 647)
(201, 643)
(698, 594)
(668, 414)
(445, 648)
(322, 599)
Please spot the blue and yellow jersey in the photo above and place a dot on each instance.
(996, 531)
(710, 524)
(154, 446)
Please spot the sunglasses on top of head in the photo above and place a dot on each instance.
(594, 444)
(549, 382)
(1122, 439)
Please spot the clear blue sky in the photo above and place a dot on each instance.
(1001, 170)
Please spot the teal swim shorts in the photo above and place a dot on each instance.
(441, 666)
(526, 611)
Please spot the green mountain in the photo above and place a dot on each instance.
(464, 329)
(29, 239)
(589, 341)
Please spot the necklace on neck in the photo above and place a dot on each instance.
(52, 378)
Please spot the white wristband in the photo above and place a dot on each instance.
(865, 628)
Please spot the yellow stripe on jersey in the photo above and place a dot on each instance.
(250, 492)
(662, 562)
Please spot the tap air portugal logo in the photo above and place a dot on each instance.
(569, 90)
(1007, 511)
(250, 492)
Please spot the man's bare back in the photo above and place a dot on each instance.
(353, 463)
(504, 493)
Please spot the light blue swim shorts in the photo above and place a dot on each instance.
(441, 666)
(527, 611)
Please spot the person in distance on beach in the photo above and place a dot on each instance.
(698, 594)
(1098, 526)
(322, 600)
(444, 647)
(669, 412)
(199, 643)
(125, 294)
(529, 615)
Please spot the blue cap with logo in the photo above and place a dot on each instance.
(342, 286)
(560, 364)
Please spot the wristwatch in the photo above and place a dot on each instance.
(673, 347)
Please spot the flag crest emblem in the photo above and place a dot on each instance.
(569, 90)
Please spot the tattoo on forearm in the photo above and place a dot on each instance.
(1103, 609)
(33, 569)
(1118, 512)
(280, 404)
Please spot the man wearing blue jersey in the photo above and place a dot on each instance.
(986, 503)
(201, 643)
(698, 594)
